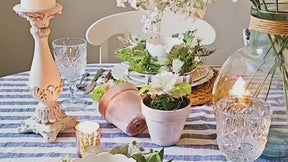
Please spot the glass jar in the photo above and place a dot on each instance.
(260, 70)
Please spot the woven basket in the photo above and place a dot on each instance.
(202, 94)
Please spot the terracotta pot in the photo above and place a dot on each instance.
(121, 106)
(165, 127)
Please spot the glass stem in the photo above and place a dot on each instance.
(285, 85)
(73, 90)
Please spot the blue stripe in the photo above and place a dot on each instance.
(196, 157)
(199, 126)
(14, 90)
(33, 109)
(38, 144)
(26, 155)
(17, 110)
(87, 117)
(30, 96)
(203, 118)
(19, 103)
(202, 110)
(16, 125)
(14, 79)
(13, 85)
(17, 96)
(106, 145)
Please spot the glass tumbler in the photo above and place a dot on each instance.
(242, 127)
(71, 58)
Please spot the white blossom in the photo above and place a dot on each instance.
(186, 8)
(177, 65)
(165, 81)
(121, 3)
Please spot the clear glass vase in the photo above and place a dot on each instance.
(260, 70)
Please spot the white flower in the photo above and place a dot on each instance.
(120, 3)
(189, 8)
(177, 65)
(165, 81)
(133, 3)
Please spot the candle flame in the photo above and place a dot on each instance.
(239, 89)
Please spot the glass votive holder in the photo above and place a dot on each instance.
(87, 134)
(242, 127)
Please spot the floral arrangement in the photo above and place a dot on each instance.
(156, 8)
(166, 92)
(182, 58)
(132, 150)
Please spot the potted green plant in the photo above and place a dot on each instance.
(165, 105)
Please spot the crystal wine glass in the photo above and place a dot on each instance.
(242, 127)
(71, 58)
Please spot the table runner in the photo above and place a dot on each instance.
(197, 143)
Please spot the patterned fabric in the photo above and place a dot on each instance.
(197, 143)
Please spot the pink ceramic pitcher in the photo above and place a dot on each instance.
(121, 106)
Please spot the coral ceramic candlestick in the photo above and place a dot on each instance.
(44, 80)
(37, 4)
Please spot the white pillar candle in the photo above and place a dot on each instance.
(37, 4)
(87, 135)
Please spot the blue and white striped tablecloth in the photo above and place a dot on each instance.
(198, 141)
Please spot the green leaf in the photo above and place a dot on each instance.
(139, 157)
(99, 92)
(139, 58)
(181, 89)
(120, 150)
(161, 154)
(117, 82)
(144, 89)
(154, 157)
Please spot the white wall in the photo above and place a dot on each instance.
(16, 43)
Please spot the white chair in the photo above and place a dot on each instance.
(99, 33)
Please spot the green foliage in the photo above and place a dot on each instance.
(120, 150)
(144, 89)
(140, 154)
(268, 10)
(181, 89)
(139, 59)
(190, 54)
(99, 92)
(133, 151)
(166, 102)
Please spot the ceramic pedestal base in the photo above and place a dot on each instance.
(48, 118)
(49, 131)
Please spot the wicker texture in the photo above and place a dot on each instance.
(202, 94)
(269, 26)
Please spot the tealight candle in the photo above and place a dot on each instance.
(37, 4)
(87, 134)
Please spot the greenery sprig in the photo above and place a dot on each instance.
(135, 53)
(190, 53)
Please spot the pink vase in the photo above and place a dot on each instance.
(121, 106)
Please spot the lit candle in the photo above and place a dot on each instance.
(37, 4)
(87, 134)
